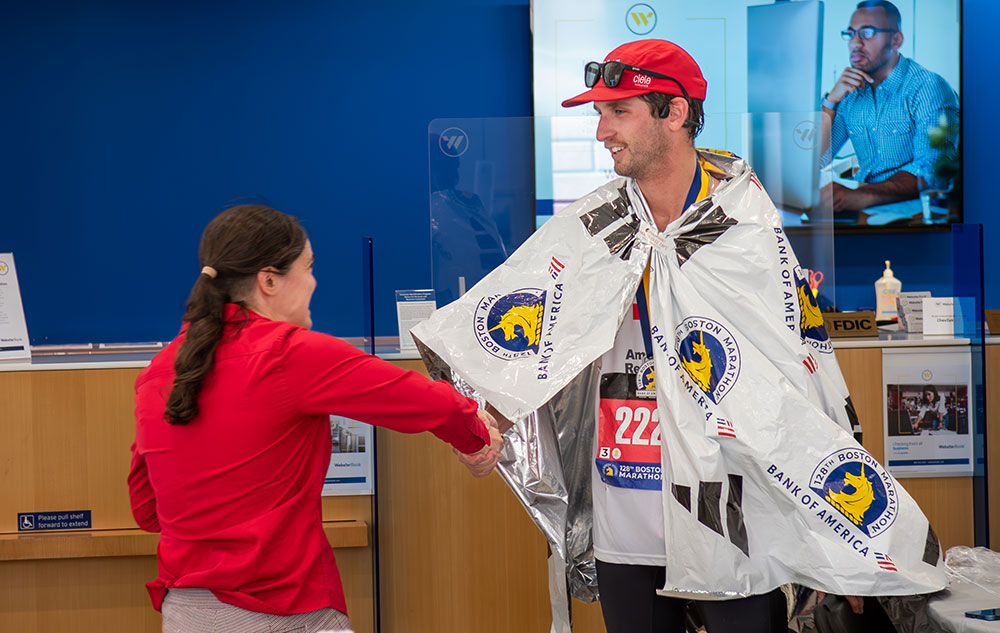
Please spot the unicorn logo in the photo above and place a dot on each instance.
(645, 380)
(523, 320)
(811, 326)
(853, 504)
(709, 355)
(700, 370)
(859, 488)
(650, 379)
(811, 316)
(509, 326)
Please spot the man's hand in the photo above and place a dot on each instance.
(842, 198)
(850, 80)
(857, 602)
(902, 185)
(481, 462)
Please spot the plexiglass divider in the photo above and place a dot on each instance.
(493, 181)
(491, 186)
(368, 344)
(968, 273)
(784, 149)
(481, 198)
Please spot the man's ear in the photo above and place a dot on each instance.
(677, 114)
(897, 40)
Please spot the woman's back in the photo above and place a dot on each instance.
(238, 488)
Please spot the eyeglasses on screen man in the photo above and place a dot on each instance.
(611, 73)
(865, 32)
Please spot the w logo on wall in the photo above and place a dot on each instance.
(640, 19)
(453, 142)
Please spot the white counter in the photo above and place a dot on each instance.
(125, 360)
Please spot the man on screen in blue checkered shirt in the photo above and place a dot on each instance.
(885, 104)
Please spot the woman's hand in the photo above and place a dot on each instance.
(482, 462)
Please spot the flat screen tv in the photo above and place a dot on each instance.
(769, 67)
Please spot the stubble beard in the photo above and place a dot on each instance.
(872, 66)
(644, 161)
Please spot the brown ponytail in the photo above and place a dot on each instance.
(239, 242)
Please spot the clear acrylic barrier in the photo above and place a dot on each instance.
(967, 250)
(483, 186)
(483, 205)
(783, 148)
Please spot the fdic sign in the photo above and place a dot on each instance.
(850, 324)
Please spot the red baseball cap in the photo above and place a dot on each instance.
(660, 56)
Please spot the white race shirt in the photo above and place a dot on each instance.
(628, 502)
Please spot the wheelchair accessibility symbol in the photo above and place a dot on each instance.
(27, 522)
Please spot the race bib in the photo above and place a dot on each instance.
(628, 433)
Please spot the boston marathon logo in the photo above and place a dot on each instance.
(709, 355)
(645, 381)
(859, 488)
(510, 326)
(811, 319)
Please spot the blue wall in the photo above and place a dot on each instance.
(127, 126)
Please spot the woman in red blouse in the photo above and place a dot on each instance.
(233, 437)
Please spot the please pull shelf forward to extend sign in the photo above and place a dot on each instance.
(61, 520)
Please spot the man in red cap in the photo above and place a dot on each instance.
(649, 96)
(658, 447)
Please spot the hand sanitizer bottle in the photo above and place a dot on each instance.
(887, 290)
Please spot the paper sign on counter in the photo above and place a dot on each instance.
(13, 328)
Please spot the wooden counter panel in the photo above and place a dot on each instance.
(457, 553)
(947, 503)
(862, 370)
(453, 548)
(67, 438)
(108, 595)
(102, 595)
(66, 444)
(993, 441)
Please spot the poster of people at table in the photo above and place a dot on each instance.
(927, 414)
(351, 470)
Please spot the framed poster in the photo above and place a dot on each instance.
(926, 414)
(351, 471)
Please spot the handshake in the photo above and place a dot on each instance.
(481, 462)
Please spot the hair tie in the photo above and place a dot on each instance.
(211, 272)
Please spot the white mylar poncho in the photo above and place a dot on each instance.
(763, 482)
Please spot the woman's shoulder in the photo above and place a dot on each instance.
(296, 339)
(162, 364)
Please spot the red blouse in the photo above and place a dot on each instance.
(236, 492)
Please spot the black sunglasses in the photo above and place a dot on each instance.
(611, 73)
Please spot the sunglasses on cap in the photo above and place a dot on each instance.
(611, 73)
